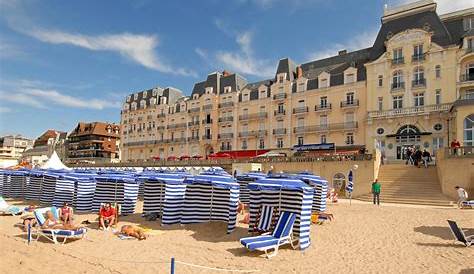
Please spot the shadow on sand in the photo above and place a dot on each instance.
(442, 232)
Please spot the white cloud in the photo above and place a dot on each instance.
(20, 98)
(5, 110)
(138, 48)
(443, 6)
(201, 52)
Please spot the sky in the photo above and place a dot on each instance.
(62, 62)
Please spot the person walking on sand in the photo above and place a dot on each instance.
(462, 195)
(376, 191)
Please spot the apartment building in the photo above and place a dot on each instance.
(11, 148)
(414, 86)
(48, 142)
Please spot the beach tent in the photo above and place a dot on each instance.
(164, 195)
(283, 193)
(66, 188)
(320, 186)
(16, 184)
(4, 182)
(211, 196)
(35, 184)
(84, 189)
(116, 188)
(243, 181)
(54, 163)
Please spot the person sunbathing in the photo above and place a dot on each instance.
(52, 223)
(133, 231)
(66, 214)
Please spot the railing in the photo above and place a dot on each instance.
(322, 107)
(193, 138)
(418, 83)
(418, 57)
(279, 96)
(226, 119)
(160, 127)
(161, 115)
(180, 125)
(460, 152)
(326, 127)
(279, 131)
(193, 123)
(225, 136)
(206, 122)
(207, 107)
(398, 86)
(279, 112)
(207, 137)
(179, 140)
(409, 111)
(195, 109)
(398, 61)
(226, 104)
(467, 77)
(350, 103)
(247, 134)
(259, 115)
(300, 110)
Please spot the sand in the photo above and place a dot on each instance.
(362, 239)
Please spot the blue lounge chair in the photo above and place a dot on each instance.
(53, 234)
(459, 234)
(7, 209)
(266, 217)
(280, 236)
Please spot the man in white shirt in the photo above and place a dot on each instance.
(462, 195)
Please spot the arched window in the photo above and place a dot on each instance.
(408, 134)
(418, 76)
(469, 130)
(397, 79)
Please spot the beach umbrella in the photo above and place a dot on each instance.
(350, 182)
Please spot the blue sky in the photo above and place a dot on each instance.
(67, 61)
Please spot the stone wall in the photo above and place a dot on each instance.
(455, 172)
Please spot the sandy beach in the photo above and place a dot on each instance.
(362, 239)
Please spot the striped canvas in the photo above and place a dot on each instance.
(17, 184)
(116, 189)
(34, 186)
(47, 189)
(84, 195)
(320, 186)
(64, 191)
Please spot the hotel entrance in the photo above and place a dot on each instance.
(407, 136)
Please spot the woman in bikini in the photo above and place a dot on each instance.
(52, 223)
(66, 214)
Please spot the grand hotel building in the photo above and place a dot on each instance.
(414, 86)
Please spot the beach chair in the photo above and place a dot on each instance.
(280, 236)
(6, 209)
(459, 235)
(468, 204)
(266, 218)
(54, 234)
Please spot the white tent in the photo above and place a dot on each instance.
(54, 163)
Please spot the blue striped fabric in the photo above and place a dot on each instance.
(18, 183)
(35, 184)
(2, 176)
(320, 186)
(66, 187)
(48, 187)
(285, 194)
(266, 216)
(211, 197)
(350, 184)
(116, 188)
(6, 183)
(243, 181)
(84, 193)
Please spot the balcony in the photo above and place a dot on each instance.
(226, 119)
(207, 137)
(221, 136)
(178, 140)
(226, 104)
(418, 57)
(193, 123)
(418, 83)
(279, 131)
(325, 107)
(279, 112)
(253, 116)
(300, 110)
(207, 107)
(173, 126)
(149, 117)
(161, 115)
(245, 134)
(467, 77)
(279, 96)
(350, 103)
(160, 127)
(193, 110)
(412, 111)
(398, 86)
(207, 122)
(193, 139)
(326, 127)
(398, 61)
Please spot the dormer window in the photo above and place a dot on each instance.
(134, 106)
(135, 96)
(145, 93)
(227, 89)
(470, 43)
(245, 96)
(301, 87)
(263, 94)
(155, 92)
(324, 83)
(126, 106)
(152, 101)
(128, 98)
(280, 79)
(195, 96)
(163, 100)
(350, 78)
(209, 90)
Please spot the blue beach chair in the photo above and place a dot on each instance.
(7, 209)
(459, 235)
(280, 236)
(53, 234)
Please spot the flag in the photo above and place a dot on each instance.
(350, 184)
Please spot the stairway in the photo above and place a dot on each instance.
(405, 184)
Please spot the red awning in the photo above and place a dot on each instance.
(156, 158)
(197, 157)
(239, 154)
(184, 157)
(172, 158)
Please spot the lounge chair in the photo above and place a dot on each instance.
(54, 234)
(280, 236)
(6, 209)
(468, 204)
(266, 217)
(459, 234)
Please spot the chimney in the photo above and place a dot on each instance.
(225, 73)
(299, 72)
(342, 52)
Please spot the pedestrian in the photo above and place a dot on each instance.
(417, 157)
(376, 191)
(426, 157)
(270, 172)
(455, 145)
(408, 154)
(462, 195)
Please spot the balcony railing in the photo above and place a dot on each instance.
(226, 104)
(225, 135)
(207, 137)
(178, 140)
(279, 96)
(206, 122)
(207, 107)
(398, 86)
(279, 131)
(193, 139)
(195, 109)
(226, 119)
(418, 57)
(409, 111)
(173, 126)
(418, 83)
(279, 112)
(247, 133)
(161, 115)
(398, 61)
(350, 103)
(300, 110)
(325, 107)
(461, 152)
(467, 77)
(160, 127)
(193, 123)
(259, 115)
(326, 127)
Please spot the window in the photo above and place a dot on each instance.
(300, 140)
(468, 23)
(397, 79)
(324, 83)
(380, 103)
(324, 101)
(398, 55)
(280, 79)
(470, 44)
(419, 99)
(418, 76)
(350, 138)
(244, 144)
(301, 87)
(380, 131)
(281, 108)
(380, 80)
(323, 139)
(300, 122)
(323, 120)
(261, 144)
(438, 127)
(418, 50)
(350, 98)
(280, 143)
(438, 71)
(438, 96)
(469, 130)
(397, 102)
(350, 78)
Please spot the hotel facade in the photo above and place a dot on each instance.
(414, 86)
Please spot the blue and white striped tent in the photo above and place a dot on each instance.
(5, 182)
(84, 188)
(211, 196)
(48, 186)
(67, 186)
(164, 195)
(116, 188)
(284, 193)
(244, 180)
(320, 186)
(18, 183)
(35, 183)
